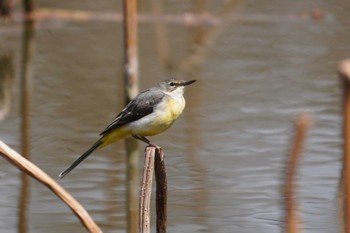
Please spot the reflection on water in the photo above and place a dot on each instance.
(28, 47)
(6, 82)
(133, 156)
(225, 154)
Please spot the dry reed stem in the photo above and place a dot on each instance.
(161, 191)
(344, 187)
(131, 60)
(154, 161)
(146, 190)
(32, 170)
(302, 125)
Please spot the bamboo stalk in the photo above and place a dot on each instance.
(344, 74)
(161, 191)
(29, 168)
(292, 218)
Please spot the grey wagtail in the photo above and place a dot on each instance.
(151, 112)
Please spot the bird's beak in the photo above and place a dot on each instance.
(185, 83)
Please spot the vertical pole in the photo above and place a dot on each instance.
(344, 74)
(130, 49)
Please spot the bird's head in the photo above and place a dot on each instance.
(172, 84)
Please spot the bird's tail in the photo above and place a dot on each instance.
(80, 159)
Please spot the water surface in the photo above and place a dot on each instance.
(225, 156)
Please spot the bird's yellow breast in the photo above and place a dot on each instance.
(161, 119)
(175, 106)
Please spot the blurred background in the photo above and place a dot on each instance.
(257, 64)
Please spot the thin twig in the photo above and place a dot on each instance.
(35, 172)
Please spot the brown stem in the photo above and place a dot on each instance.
(302, 125)
(146, 190)
(35, 172)
(344, 74)
(161, 191)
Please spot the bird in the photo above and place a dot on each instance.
(150, 113)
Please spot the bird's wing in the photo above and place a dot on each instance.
(142, 105)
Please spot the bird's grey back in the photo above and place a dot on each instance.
(142, 105)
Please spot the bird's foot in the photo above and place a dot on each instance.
(145, 140)
(153, 145)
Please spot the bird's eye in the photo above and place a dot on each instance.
(172, 84)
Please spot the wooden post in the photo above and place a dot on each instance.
(131, 69)
(292, 219)
(344, 74)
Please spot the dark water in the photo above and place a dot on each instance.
(257, 69)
